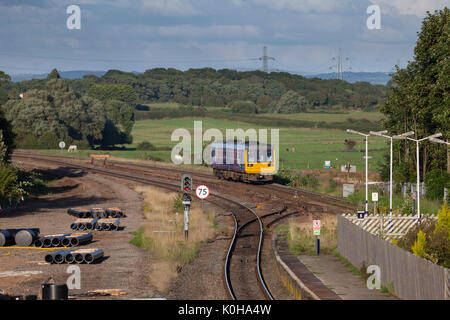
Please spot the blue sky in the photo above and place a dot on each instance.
(135, 35)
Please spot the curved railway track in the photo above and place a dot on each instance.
(171, 173)
(244, 255)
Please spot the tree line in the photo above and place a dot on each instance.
(278, 92)
(54, 112)
(419, 100)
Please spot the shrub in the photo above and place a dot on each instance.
(243, 107)
(419, 246)
(145, 146)
(443, 223)
(309, 181)
(436, 181)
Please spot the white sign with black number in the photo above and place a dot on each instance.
(202, 192)
(62, 145)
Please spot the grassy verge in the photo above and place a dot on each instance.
(301, 239)
(163, 235)
(400, 205)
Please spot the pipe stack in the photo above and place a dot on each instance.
(115, 213)
(108, 224)
(75, 256)
(79, 213)
(98, 213)
(22, 237)
(50, 240)
(84, 224)
(66, 240)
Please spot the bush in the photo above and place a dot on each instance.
(15, 183)
(243, 107)
(145, 146)
(419, 246)
(435, 182)
(309, 181)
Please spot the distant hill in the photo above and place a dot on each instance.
(63, 74)
(352, 77)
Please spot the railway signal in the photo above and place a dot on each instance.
(186, 187)
(186, 183)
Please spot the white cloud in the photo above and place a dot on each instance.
(163, 7)
(222, 31)
(301, 6)
(170, 7)
(411, 7)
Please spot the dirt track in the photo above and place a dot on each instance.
(123, 266)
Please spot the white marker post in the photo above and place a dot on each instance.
(316, 229)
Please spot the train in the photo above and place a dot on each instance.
(238, 161)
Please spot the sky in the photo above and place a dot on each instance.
(135, 35)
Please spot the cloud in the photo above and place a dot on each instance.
(222, 31)
(411, 7)
(301, 6)
(170, 7)
(161, 7)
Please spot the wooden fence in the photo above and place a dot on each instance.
(412, 277)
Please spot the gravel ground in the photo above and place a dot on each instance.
(123, 266)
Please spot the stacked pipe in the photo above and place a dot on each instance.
(108, 224)
(22, 237)
(98, 213)
(65, 240)
(79, 213)
(115, 213)
(77, 239)
(74, 256)
(84, 224)
(50, 240)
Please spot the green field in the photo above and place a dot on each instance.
(313, 146)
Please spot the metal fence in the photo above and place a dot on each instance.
(412, 277)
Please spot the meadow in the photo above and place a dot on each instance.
(312, 146)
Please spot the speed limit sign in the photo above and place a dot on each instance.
(202, 192)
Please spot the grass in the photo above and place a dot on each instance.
(400, 205)
(163, 235)
(312, 146)
(301, 239)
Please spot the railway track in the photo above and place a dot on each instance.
(242, 271)
(311, 198)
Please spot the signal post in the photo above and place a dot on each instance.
(186, 187)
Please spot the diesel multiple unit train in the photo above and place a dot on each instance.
(240, 161)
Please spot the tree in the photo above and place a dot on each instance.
(418, 98)
(243, 107)
(291, 102)
(4, 76)
(56, 113)
(6, 138)
(443, 222)
(420, 245)
(54, 74)
(119, 92)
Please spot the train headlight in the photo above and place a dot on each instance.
(249, 165)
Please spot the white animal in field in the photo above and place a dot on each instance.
(72, 148)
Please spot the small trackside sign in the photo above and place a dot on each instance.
(316, 227)
(202, 192)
